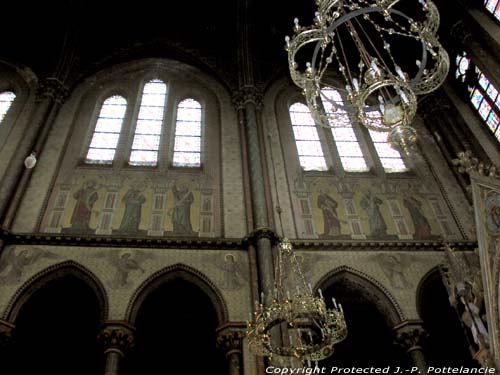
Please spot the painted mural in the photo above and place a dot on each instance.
(486, 194)
(124, 204)
(370, 208)
(15, 262)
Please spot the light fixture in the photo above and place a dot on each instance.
(295, 324)
(376, 56)
(30, 161)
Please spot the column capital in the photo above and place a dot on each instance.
(230, 338)
(117, 337)
(247, 94)
(410, 335)
(51, 88)
(262, 232)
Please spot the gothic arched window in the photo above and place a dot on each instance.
(6, 99)
(484, 97)
(149, 124)
(494, 7)
(307, 140)
(107, 131)
(187, 144)
(345, 139)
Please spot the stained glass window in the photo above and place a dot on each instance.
(347, 144)
(187, 146)
(149, 124)
(390, 158)
(311, 155)
(6, 99)
(107, 131)
(484, 96)
(494, 7)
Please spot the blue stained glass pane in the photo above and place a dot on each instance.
(463, 64)
(492, 92)
(476, 98)
(493, 120)
(483, 81)
(484, 109)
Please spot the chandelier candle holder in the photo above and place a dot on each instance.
(296, 324)
(376, 56)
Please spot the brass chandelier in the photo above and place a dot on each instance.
(355, 40)
(296, 324)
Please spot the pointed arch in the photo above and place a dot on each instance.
(177, 271)
(55, 272)
(369, 288)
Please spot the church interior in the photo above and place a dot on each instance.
(160, 165)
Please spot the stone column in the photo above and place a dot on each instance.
(115, 339)
(231, 341)
(410, 336)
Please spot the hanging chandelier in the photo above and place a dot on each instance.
(378, 58)
(296, 324)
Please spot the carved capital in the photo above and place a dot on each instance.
(410, 335)
(231, 341)
(51, 88)
(116, 337)
(247, 94)
(467, 163)
(259, 233)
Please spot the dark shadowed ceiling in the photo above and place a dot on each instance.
(201, 32)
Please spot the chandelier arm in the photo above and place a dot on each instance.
(356, 13)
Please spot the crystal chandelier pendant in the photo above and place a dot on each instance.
(295, 324)
(376, 56)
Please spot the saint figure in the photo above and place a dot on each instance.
(328, 206)
(420, 223)
(133, 200)
(85, 199)
(370, 204)
(181, 212)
